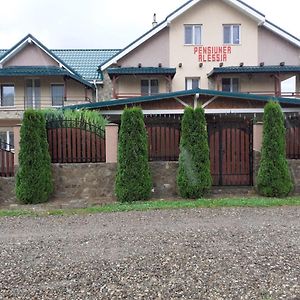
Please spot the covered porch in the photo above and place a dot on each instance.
(260, 80)
(126, 82)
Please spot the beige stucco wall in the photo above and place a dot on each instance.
(31, 55)
(75, 93)
(132, 84)
(151, 53)
(273, 49)
(212, 14)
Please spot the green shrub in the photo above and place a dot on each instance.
(34, 178)
(82, 117)
(273, 179)
(194, 178)
(133, 180)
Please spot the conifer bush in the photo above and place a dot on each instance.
(34, 178)
(133, 179)
(273, 179)
(194, 178)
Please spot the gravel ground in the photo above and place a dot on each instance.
(238, 253)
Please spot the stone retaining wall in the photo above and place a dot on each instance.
(94, 183)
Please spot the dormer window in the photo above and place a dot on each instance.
(232, 34)
(192, 34)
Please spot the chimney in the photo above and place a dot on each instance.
(154, 23)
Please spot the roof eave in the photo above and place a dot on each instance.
(272, 27)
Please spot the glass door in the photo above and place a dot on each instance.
(33, 93)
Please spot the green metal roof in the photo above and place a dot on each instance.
(41, 71)
(141, 71)
(254, 69)
(82, 62)
(85, 61)
(158, 97)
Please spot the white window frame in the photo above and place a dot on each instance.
(231, 84)
(1, 87)
(8, 141)
(193, 26)
(56, 83)
(187, 79)
(149, 86)
(231, 42)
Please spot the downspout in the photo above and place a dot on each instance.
(95, 84)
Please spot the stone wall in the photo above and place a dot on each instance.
(7, 191)
(94, 183)
(295, 171)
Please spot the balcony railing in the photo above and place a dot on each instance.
(23, 103)
(272, 94)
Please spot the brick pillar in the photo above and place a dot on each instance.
(17, 144)
(257, 136)
(257, 145)
(111, 142)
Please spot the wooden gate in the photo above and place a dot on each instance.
(75, 142)
(293, 138)
(6, 160)
(163, 138)
(231, 153)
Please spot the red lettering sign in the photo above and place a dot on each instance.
(212, 53)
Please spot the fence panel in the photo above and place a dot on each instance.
(163, 138)
(231, 153)
(293, 139)
(75, 142)
(7, 157)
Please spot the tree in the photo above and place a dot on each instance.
(34, 178)
(194, 178)
(274, 179)
(133, 180)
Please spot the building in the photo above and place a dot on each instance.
(223, 45)
(33, 76)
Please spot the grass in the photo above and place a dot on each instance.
(159, 205)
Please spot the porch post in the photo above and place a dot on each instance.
(114, 83)
(111, 142)
(17, 129)
(277, 82)
(297, 85)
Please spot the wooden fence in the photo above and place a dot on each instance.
(75, 142)
(6, 160)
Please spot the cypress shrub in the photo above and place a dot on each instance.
(34, 179)
(194, 178)
(274, 179)
(133, 180)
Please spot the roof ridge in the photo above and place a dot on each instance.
(84, 49)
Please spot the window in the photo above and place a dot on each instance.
(7, 139)
(192, 83)
(57, 94)
(7, 95)
(232, 34)
(192, 34)
(230, 84)
(149, 87)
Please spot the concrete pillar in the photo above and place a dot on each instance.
(111, 142)
(257, 136)
(17, 129)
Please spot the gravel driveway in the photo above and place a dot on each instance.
(239, 253)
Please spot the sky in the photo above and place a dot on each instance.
(109, 24)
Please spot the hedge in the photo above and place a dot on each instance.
(194, 178)
(133, 179)
(34, 178)
(274, 179)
